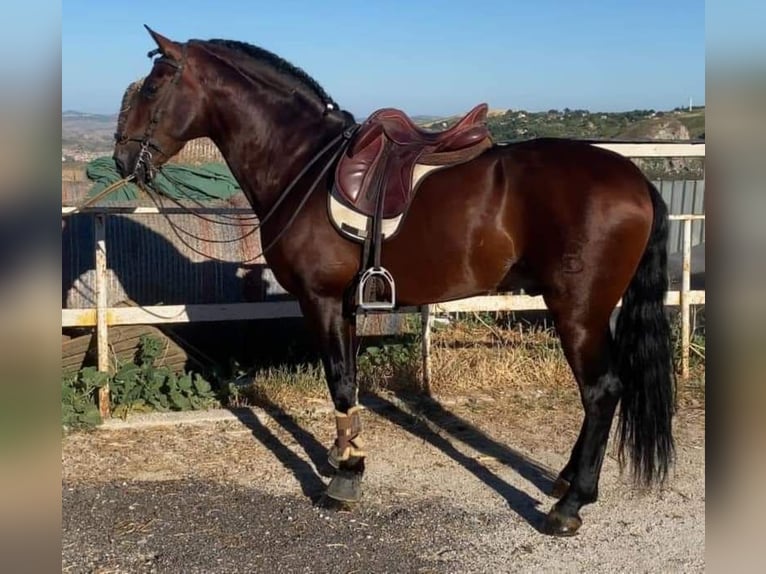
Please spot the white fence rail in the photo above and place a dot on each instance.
(103, 316)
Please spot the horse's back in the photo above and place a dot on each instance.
(561, 185)
(578, 165)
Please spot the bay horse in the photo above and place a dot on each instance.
(580, 225)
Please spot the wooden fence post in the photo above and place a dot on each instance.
(102, 303)
(426, 321)
(685, 303)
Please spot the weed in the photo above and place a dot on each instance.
(138, 385)
(390, 365)
(78, 399)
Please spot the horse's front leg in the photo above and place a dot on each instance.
(338, 346)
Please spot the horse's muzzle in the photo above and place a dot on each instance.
(120, 165)
(127, 161)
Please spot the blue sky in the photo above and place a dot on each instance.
(426, 57)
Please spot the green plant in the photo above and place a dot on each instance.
(138, 385)
(389, 364)
(78, 398)
(142, 384)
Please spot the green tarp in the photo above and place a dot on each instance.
(204, 182)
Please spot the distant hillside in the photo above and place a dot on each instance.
(85, 135)
(514, 125)
(424, 119)
(79, 121)
(637, 124)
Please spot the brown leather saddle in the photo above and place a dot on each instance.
(390, 156)
(378, 176)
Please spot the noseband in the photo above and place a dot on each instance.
(147, 144)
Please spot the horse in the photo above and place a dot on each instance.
(580, 225)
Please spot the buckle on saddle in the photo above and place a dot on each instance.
(368, 278)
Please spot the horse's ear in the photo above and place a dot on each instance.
(166, 47)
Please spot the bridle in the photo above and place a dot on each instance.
(146, 141)
(147, 145)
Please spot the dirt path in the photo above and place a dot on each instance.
(450, 488)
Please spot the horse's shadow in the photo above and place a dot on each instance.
(308, 476)
(430, 423)
(428, 420)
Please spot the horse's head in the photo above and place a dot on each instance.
(160, 115)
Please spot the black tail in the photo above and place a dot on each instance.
(645, 360)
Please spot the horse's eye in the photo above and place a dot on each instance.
(149, 90)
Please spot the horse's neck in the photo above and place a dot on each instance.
(264, 159)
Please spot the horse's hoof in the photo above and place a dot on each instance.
(560, 488)
(345, 487)
(558, 524)
(328, 503)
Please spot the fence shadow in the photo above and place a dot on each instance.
(148, 266)
(434, 413)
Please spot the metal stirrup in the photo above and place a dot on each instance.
(371, 274)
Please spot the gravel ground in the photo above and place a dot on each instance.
(451, 488)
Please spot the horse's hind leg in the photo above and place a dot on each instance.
(567, 474)
(337, 342)
(587, 342)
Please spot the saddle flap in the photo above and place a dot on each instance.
(356, 166)
(397, 184)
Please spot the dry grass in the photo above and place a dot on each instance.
(468, 358)
(519, 375)
(284, 386)
(522, 370)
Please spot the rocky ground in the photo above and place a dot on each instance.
(452, 486)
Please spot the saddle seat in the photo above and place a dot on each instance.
(390, 155)
(398, 126)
